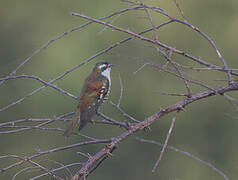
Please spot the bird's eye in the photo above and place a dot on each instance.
(104, 67)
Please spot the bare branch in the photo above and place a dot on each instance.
(151, 21)
(35, 165)
(110, 121)
(57, 169)
(40, 80)
(140, 68)
(171, 94)
(123, 112)
(168, 58)
(165, 144)
(180, 10)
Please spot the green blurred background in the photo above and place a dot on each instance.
(208, 129)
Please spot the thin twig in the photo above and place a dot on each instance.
(40, 80)
(99, 162)
(172, 94)
(112, 21)
(168, 58)
(123, 112)
(25, 169)
(56, 169)
(151, 21)
(84, 154)
(35, 164)
(111, 121)
(180, 10)
(13, 123)
(165, 144)
(140, 68)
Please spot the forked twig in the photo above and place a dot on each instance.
(180, 10)
(151, 21)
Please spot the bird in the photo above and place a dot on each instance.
(95, 91)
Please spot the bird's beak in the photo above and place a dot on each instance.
(110, 65)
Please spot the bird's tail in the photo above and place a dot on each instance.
(85, 117)
(73, 124)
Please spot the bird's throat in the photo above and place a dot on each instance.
(106, 74)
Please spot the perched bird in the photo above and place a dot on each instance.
(94, 92)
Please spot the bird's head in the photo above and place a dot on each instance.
(103, 68)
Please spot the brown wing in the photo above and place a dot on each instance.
(90, 94)
(89, 102)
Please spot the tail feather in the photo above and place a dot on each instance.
(73, 124)
(85, 117)
(81, 119)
